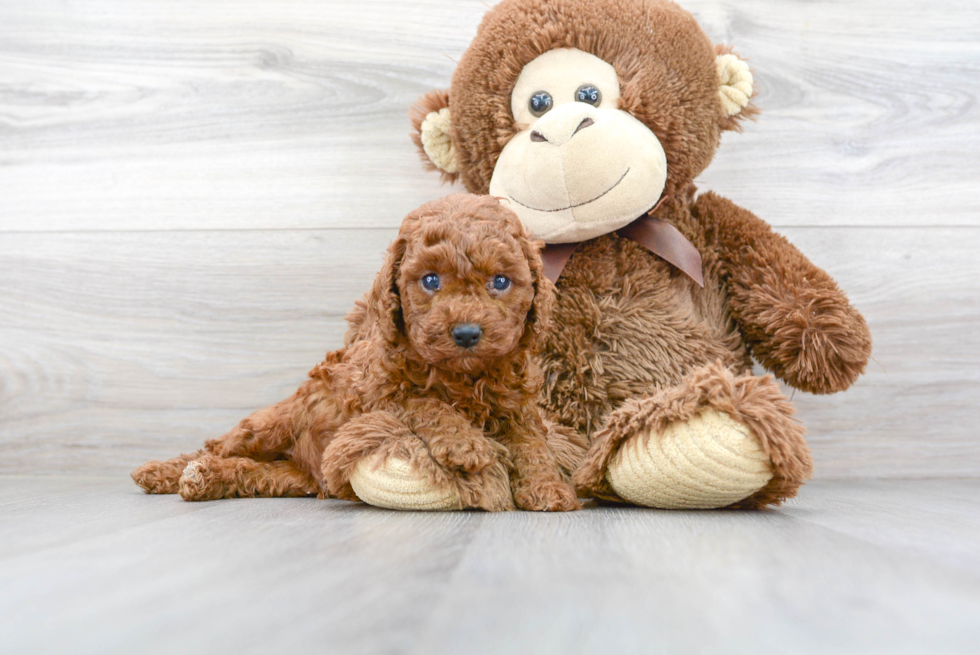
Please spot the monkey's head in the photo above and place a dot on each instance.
(581, 114)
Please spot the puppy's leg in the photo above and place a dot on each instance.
(475, 465)
(264, 435)
(161, 477)
(210, 478)
(454, 442)
(536, 478)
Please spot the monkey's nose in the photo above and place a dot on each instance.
(537, 136)
(467, 334)
(559, 125)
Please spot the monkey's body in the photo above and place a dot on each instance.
(623, 309)
(582, 115)
(643, 346)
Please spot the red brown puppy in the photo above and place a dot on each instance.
(438, 361)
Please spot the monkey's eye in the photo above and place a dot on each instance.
(430, 282)
(589, 93)
(500, 283)
(540, 103)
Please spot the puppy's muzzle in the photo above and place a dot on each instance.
(467, 335)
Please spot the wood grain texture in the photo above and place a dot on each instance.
(94, 566)
(190, 202)
(122, 347)
(136, 115)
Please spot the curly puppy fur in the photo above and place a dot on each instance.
(464, 415)
(632, 332)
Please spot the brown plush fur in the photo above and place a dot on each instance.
(795, 319)
(402, 387)
(756, 402)
(433, 101)
(636, 342)
(665, 64)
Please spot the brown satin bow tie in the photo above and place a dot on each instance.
(655, 234)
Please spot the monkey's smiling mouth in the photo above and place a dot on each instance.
(561, 209)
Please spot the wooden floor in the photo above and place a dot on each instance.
(94, 566)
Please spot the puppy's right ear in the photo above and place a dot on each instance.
(383, 303)
(432, 134)
(539, 316)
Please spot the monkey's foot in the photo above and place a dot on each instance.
(707, 461)
(377, 460)
(396, 484)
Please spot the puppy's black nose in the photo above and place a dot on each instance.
(467, 334)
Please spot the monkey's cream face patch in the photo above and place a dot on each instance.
(580, 167)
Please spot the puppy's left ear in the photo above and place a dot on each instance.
(736, 87)
(539, 316)
(383, 305)
(432, 134)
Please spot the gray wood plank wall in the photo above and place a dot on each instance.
(191, 199)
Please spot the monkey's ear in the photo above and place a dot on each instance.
(432, 134)
(735, 88)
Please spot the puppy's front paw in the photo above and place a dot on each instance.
(467, 455)
(550, 496)
(198, 482)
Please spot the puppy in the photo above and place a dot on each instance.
(436, 371)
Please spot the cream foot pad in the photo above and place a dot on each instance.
(396, 485)
(708, 461)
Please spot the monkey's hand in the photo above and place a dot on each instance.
(795, 319)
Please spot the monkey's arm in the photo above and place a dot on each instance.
(795, 319)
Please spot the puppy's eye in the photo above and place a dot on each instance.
(430, 282)
(589, 93)
(500, 283)
(540, 103)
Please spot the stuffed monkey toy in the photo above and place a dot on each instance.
(591, 119)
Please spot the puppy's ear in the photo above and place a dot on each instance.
(383, 302)
(432, 134)
(539, 316)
